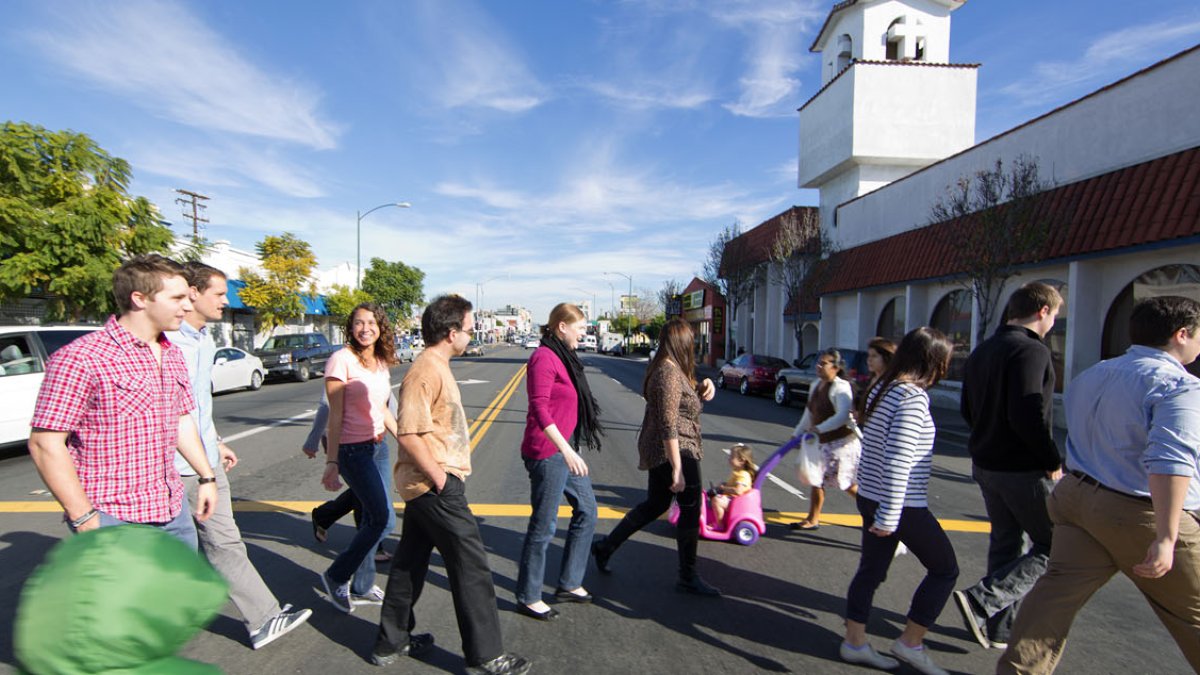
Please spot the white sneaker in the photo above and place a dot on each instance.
(917, 657)
(866, 656)
(371, 597)
(277, 626)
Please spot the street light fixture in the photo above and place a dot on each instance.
(358, 232)
(592, 309)
(630, 278)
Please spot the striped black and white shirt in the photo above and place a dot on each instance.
(897, 453)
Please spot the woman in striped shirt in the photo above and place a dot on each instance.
(893, 475)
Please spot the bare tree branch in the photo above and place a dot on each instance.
(803, 260)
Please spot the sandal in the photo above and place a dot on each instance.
(804, 526)
(382, 557)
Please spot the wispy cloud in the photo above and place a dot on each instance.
(653, 95)
(227, 164)
(467, 61)
(162, 57)
(773, 56)
(1111, 55)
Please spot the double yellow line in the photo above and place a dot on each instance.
(484, 422)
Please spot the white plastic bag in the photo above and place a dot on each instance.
(810, 462)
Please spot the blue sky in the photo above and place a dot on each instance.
(550, 141)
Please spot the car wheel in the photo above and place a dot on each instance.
(720, 380)
(302, 373)
(255, 380)
(744, 387)
(781, 393)
(745, 533)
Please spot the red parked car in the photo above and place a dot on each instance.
(750, 373)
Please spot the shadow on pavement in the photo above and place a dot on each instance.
(22, 553)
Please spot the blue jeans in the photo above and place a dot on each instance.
(549, 481)
(367, 470)
(181, 526)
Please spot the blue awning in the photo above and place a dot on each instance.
(313, 304)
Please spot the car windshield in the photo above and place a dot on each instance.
(284, 342)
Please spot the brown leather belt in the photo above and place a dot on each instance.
(836, 434)
(1092, 481)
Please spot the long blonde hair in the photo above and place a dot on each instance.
(563, 312)
(746, 454)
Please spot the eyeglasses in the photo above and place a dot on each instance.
(468, 331)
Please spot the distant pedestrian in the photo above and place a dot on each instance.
(114, 406)
(560, 406)
(358, 384)
(1008, 402)
(1130, 502)
(829, 414)
(433, 464)
(669, 448)
(220, 538)
(893, 479)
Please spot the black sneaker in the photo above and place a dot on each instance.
(505, 664)
(601, 555)
(974, 623)
(696, 586)
(418, 645)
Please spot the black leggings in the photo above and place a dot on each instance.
(924, 536)
(658, 500)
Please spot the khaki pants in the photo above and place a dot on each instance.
(1098, 533)
(221, 543)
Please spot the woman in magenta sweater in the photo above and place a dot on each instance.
(560, 407)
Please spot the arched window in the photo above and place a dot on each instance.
(845, 52)
(952, 316)
(1168, 280)
(892, 48)
(1056, 339)
(891, 319)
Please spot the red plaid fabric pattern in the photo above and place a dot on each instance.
(122, 412)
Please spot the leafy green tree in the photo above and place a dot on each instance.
(654, 328)
(289, 263)
(67, 220)
(395, 286)
(341, 300)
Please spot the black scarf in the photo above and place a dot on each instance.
(588, 430)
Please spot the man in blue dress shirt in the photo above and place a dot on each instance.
(1129, 500)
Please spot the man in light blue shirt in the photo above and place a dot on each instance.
(1128, 502)
(220, 538)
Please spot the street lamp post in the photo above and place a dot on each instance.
(630, 278)
(479, 291)
(612, 298)
(358, 233)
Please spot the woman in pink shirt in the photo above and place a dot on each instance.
(358, 384)
(560, 407)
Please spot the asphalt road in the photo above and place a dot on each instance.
(783, 596)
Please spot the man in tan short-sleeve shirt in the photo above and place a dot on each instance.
(434, 460)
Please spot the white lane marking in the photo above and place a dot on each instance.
(471, 381)
(258, 430)
(779, 481)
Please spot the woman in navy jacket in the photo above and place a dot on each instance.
(560, 407)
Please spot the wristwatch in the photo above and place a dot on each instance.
(206, 479)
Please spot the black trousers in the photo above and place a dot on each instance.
(443, 520)
(333, 510)
(658, 500)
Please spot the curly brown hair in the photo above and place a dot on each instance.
(385, 346)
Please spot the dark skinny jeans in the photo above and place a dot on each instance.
(926, 539)
(658, 500)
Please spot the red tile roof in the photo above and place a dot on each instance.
(753, 247)
(1149, 203)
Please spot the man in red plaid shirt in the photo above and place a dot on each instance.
(115, 405)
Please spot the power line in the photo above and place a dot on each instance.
(194, 200)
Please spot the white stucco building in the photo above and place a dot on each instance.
(891, 128)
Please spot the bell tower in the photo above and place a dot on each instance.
(890, 102)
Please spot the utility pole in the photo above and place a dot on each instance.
(195, 201)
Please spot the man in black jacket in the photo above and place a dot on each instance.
(1007, 400)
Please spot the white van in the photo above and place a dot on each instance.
(588, 343)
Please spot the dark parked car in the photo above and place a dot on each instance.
(750, 373)
(298, 356)
(791, 384)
